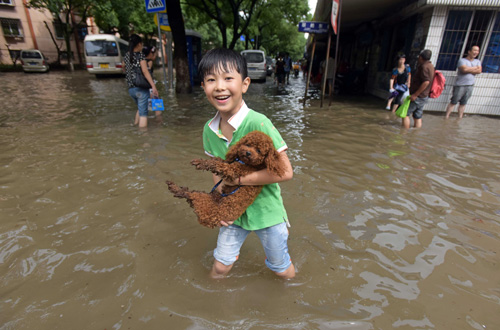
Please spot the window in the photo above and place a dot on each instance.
(58, 27)
(466, 28)
(491, 61)
(11, 27)
(7, 2)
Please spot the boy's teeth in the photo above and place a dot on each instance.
(221, 97)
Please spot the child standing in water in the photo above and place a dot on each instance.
(225, 80)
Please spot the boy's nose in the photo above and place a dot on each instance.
(220, 84)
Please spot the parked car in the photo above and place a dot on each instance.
(34, 61)
(256, 64)
(270, 65)
(104, 54)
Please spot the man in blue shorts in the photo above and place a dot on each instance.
(420, 87)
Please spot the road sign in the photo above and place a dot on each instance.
(313, 27)
(154, 6)
(163, 18)
(335, 15)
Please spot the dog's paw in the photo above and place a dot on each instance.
(198, 163)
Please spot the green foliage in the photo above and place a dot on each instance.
(124, 17)
(272, 24)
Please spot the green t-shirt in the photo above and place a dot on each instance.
(267, 210)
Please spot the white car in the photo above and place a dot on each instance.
(34, 61)
(256, 64)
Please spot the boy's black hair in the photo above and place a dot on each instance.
(222, 59)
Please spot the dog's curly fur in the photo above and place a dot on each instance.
(257, 152)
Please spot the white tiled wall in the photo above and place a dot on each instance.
(486, 95)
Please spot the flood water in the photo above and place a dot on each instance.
(391, 229)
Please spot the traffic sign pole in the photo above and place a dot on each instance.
(162, 54)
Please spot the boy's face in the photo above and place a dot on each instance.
(224, 90)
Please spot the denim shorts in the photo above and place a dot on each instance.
(416, 107)
(273, 239)
(140, 96)
(461, 94)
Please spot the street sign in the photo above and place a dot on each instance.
(335, 15)
(154, 6)
(313, 27)
(163, 18)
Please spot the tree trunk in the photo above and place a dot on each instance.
(182, 80)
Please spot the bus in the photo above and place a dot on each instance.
(104, 54)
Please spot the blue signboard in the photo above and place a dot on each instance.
(313, 27)
(154, 6)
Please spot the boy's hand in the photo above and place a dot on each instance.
(226, 223)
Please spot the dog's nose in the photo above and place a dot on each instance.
(248, 154)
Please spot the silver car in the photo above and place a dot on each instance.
(34, 61)
(256, 64)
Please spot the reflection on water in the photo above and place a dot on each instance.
(390, 228)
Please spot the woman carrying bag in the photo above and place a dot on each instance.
(135, 64)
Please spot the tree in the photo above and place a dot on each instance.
(271, 24)
(176, 21)
(232, 16)
(64, 15)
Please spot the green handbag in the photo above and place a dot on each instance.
(403, 108)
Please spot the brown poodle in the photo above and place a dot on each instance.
(255, 151)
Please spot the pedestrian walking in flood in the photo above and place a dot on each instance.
(225, 80)
(420, 87)
(135, 64)
(467, 69)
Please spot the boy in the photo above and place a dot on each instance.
(225, 80)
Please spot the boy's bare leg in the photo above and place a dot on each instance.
(418, 123)
(219, 270)
(287, 274)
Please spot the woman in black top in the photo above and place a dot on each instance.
(132, 60)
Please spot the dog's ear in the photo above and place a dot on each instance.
(232, 153)
(273, 162)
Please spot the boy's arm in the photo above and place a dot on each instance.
(263, 177)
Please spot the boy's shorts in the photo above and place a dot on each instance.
(461, 94)
(273, 239)
(140, 96)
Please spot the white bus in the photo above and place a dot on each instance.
(104, 53)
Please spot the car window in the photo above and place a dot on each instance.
(28, 54)
(254, 57)
(101, 48)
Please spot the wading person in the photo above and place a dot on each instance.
(132, 60)
(399, 83)
(467, 69)
(421, 82)
(150, 54)
(224, 80)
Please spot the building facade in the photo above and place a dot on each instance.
(372, 34)
(28, 28)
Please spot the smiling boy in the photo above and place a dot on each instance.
(225, 80)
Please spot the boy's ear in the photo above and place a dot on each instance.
(245, 84)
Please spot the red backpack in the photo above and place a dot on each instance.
(438, 85)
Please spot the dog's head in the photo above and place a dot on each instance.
(256, 149)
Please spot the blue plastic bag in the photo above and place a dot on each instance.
(157, 105)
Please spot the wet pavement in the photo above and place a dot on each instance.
(391, 229)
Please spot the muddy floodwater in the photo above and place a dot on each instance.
(391, 229)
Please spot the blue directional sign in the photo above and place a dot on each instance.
(313, 27)
(154, 6)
